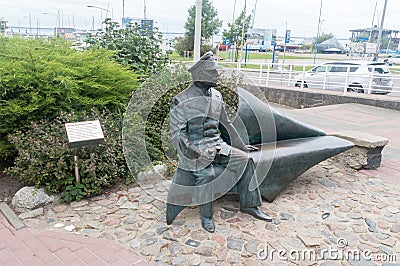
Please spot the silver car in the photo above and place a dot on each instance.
(358, 76)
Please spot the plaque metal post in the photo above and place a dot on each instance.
(86, 133)
(77, 178)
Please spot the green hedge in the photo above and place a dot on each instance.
(45, 158)
(42, 78)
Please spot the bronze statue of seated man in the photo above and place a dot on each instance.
(196, 117)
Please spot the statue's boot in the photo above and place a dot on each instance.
(255, 212)
(206, 214)
(208, 224)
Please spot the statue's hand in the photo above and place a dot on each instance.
(249, 148)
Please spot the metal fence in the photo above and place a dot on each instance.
(343, 78)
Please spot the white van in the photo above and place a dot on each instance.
(356, 76)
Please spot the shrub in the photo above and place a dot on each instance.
(136, 49)
(45, 158)
(42, 78)
(185, 43)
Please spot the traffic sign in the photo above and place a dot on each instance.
(287, 36)
(227, 41)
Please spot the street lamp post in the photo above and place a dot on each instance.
(197, 31)
(380, 32)
(101, 13)
(57, 21)
(316, 39)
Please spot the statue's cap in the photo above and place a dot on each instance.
(206, 62)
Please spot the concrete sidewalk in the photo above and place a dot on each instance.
(356, 117)
(30, 246)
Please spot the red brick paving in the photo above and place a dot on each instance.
(29, 246)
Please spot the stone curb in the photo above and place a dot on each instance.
(11, 217)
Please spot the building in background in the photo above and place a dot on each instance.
(390, 39)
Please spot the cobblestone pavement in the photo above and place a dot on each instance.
(327, 208)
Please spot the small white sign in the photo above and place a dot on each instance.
(84, 133)
(370, 48)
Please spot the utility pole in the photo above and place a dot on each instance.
(123, 9)
(144, 8)
(378, 44)
(316, 39)
(197, 31)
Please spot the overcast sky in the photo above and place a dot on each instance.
(301, 16)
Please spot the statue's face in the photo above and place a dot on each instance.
(210, 77)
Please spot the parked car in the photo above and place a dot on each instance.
(392, 59)
(358, 75)
(224, 47)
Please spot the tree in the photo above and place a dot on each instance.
(136, 49)
(210, 23)
(235, 29)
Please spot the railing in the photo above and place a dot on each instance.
(299, 75)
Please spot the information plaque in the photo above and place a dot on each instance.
(84, 133)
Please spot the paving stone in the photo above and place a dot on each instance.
(31, 214)
(390, 242)
(359, 228)
(60, 208)
(222, 253)
(204, 251)
(354, 215)
(181, 260)
(151, 241)
(114, 223)
(310, 241)
(175, 249)
(386, 250)
(147, 199)
(344, 208)
(121, 200)
(196, 260)
(199, 235)
(227, 214)
(162, 257)
(235, 243)
(351, 203)
(287, 216)
(161, 230)
(147, 235)
(361, 262)
(79, 204)
(395, 228)
(393, 210)
(220, 239)
(130, 220)
(327, 183)
(233, 258)
(252, 246)
(371, 224)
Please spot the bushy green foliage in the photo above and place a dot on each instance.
(210, 23)
(235, 29)
(42, 78)
(135, 48)
(187, 44)
(45, 158)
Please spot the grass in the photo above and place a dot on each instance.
(268, 56)
(253, 55)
